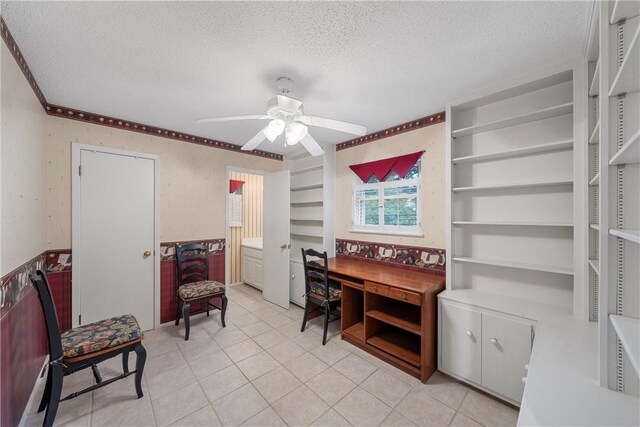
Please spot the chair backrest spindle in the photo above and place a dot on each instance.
(315, 272)
(192, 263)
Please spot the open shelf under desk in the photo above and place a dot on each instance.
(356, 331)
(403, 345)
(401, 315)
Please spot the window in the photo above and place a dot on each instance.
(390, 207)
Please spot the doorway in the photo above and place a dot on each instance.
(245, 222)
(115, 235)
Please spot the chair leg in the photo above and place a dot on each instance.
(178, 312)
(141, 357)
(207, 305)
(185, 314)
(326, 324)
(96, 373)
(224, 309)
(304, 316)
(47, 391)
(54, 398)
(125, 362)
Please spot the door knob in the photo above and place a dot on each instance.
(283, 246)
(493, 341)
(289, 246)
(468, 333)
(147, 254)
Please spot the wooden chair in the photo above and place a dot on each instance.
(320, 290)
(84, 347)
(194, 284)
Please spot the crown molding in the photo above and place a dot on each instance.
(393, 130)
(103, 120)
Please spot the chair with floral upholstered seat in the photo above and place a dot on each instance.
(194, 285)
(321, 292)
(84, 347)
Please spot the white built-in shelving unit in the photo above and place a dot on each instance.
(511, 191)
(311, 212)
(615, 199)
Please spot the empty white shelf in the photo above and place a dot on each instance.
(626, 79)
(595, 265)
(515, 224)
(519, 265)
(542, 148)
(509, 186)
(627, 234)
(595, 180)
(624, 9)
(595, 227)
(545, 113)
(593, 89)
(629, 152)
(594, 138)
(306, 187)
(305, 233)
(628, 330)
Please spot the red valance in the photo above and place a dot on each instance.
(381, 169)
(234, 184)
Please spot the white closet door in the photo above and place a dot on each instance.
(461, 341)
(506, 349)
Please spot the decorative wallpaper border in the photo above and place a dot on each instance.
(97, 119)
(168, 249)
(16, 284)
(428, 260)
(394, 130)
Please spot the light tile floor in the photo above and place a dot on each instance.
(261, 371)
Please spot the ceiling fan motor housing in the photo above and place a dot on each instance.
(279, 112)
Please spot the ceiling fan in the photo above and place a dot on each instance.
(286, 115)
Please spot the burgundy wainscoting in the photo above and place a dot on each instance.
(23, 341)
(60, 283)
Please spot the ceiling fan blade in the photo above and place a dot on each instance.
(228, 119)
(288, 103)
(312, 145)
(255, 141)
(334, 124)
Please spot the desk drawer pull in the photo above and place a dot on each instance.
(376, 288)
(410, 297)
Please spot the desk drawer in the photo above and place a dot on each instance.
(410, 297)
(376, 288)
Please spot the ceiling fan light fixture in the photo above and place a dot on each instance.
(274, 129)
(295, 132)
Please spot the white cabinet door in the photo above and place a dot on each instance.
(247, 270)
(461, 341)
(258, 274)
(506, 348)
(297, 283)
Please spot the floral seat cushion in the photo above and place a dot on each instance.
(200, 289)
(334, 290)
(100, 335)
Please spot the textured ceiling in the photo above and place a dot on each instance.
(376, 64)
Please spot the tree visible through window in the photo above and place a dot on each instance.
(391, 206)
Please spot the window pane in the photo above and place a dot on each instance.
(371, 212)
(370, 193)
(401, 190)
(400, 212)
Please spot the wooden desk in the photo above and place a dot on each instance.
(390, 312)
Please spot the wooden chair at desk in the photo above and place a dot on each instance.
(320, 291)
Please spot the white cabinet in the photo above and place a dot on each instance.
(488, 349)
(506, 348)
(461, 341)
(252, 265)
(297, 283)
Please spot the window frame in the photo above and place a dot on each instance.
(380, 228)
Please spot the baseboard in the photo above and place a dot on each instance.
(34, 398)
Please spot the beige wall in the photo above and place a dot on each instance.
(192, 179)
(252, 221)
(23, 210)
(432, 140)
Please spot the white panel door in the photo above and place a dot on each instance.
(276, 208)
(461, 341)
(114, 260)
(506, 349)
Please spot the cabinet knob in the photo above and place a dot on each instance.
(468, 333)
(526, 367)
(493, 341)
(524, 379)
